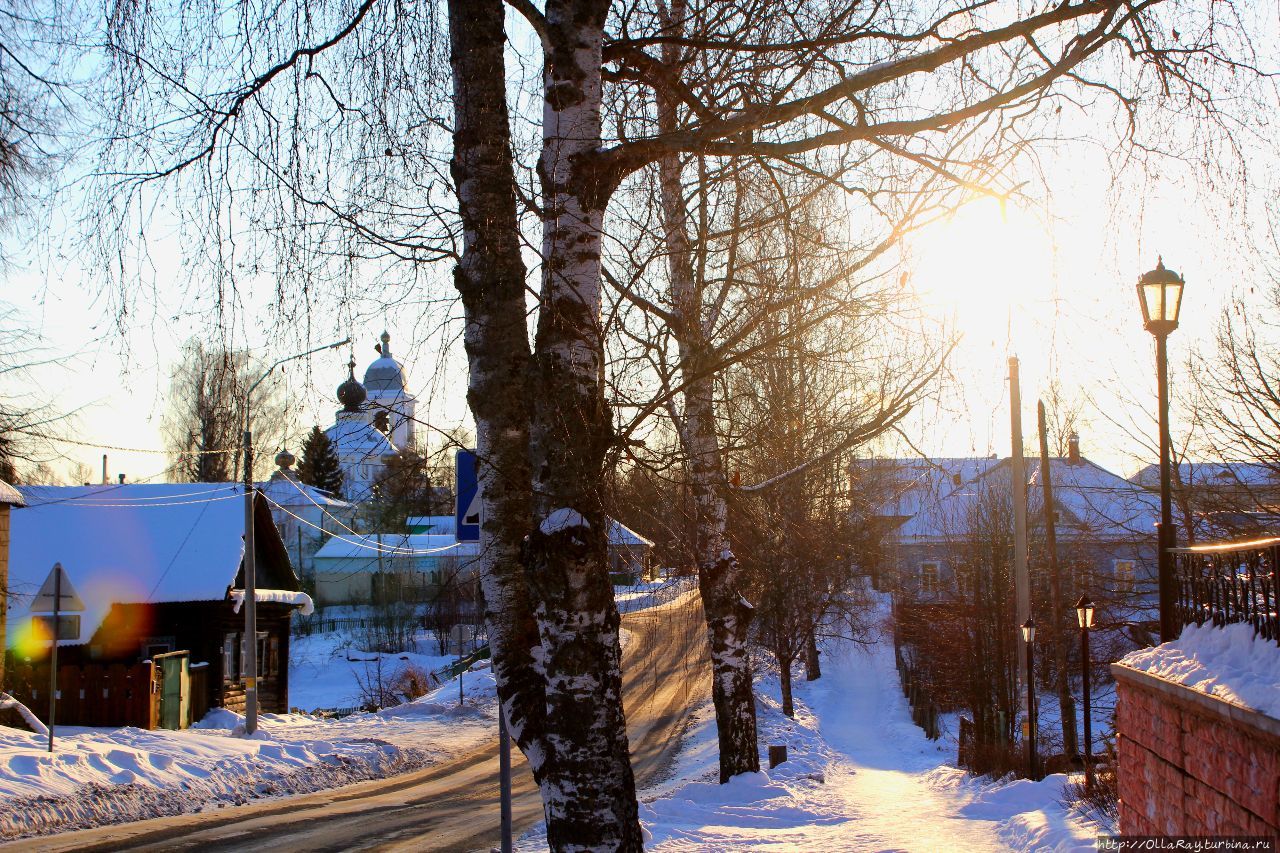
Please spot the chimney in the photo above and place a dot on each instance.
(1073, 449)
(121, 479)
(105, 478)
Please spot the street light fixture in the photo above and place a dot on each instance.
(1160, 296)
(249, 655)
(1028, 637)
(1084, 615)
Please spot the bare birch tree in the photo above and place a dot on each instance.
(325, 128)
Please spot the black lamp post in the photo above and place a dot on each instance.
(1160, 295)
(1028, 637)
(1084, 613)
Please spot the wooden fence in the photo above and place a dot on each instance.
(91, 695)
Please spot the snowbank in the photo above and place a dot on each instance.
(100, 775)
(1229, 663)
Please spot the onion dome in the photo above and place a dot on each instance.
(351, 394)
(284, 459)
(385, 375)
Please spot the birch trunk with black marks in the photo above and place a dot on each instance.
(589, 797)
(549, 604)
(728, 614)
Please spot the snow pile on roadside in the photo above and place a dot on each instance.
(113, 775)
(1230, 663)
(1028, 815)
(100, 776)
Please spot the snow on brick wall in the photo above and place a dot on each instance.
(1191, 763)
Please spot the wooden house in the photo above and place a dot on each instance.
(158, 568)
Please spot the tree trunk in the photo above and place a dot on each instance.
(812, 667)
(590, 798)
(555, 642)
(728, 614)
(784, 676)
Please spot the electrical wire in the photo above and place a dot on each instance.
(393, 550)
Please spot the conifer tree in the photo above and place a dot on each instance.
(319, 466)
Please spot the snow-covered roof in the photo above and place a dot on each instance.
(1211, 474)
(1096, 500)
(10, 496)
(413, 545)
(127, 543)
(620, 534)
(1090, 500)
(352, 436)
(290, 491)
(432, 523)
(911, 484)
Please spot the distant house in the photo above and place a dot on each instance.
(1220, 500)
(937, 516)
(373, 567)
(629, 553)
(305, 516)
(157, 567)
(417, 566)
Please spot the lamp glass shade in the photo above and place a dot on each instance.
(1160, 296)
(1029, 631)
(1084, 612)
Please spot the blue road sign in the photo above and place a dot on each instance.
(467, 509)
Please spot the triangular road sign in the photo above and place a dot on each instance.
(43, 602)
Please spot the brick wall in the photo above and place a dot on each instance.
(1192, 764)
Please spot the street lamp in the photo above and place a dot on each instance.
(249, 657)
(1160, 295)
(1028, 637)
(1084, 614)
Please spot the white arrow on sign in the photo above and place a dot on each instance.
(44, 600)
(472, 515)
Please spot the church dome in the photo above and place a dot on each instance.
(351, 394)
(385, 375)
(284, 458)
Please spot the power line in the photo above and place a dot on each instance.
(393, 550)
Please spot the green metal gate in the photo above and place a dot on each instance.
(174, 674)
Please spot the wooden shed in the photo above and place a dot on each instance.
(158, 567)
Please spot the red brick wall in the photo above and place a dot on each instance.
(1191, 765)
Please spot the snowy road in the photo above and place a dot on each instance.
(450, 807)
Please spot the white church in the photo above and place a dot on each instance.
(375, 423)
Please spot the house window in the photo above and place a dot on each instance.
(930, 578)
(230, 660)
(1124, 570)
(152, 646)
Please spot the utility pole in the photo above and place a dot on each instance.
(1022, 580)
(249, 655)
(1066, 706)
(504, 777)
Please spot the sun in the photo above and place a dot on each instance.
(981, 268)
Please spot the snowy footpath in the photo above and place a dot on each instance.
(861, 776)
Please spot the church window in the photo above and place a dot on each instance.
(381, 423)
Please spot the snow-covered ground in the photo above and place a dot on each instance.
(860, 776)
(99, 775)
(325, 674)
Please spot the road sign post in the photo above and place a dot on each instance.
(56, 595)
(468, 512)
